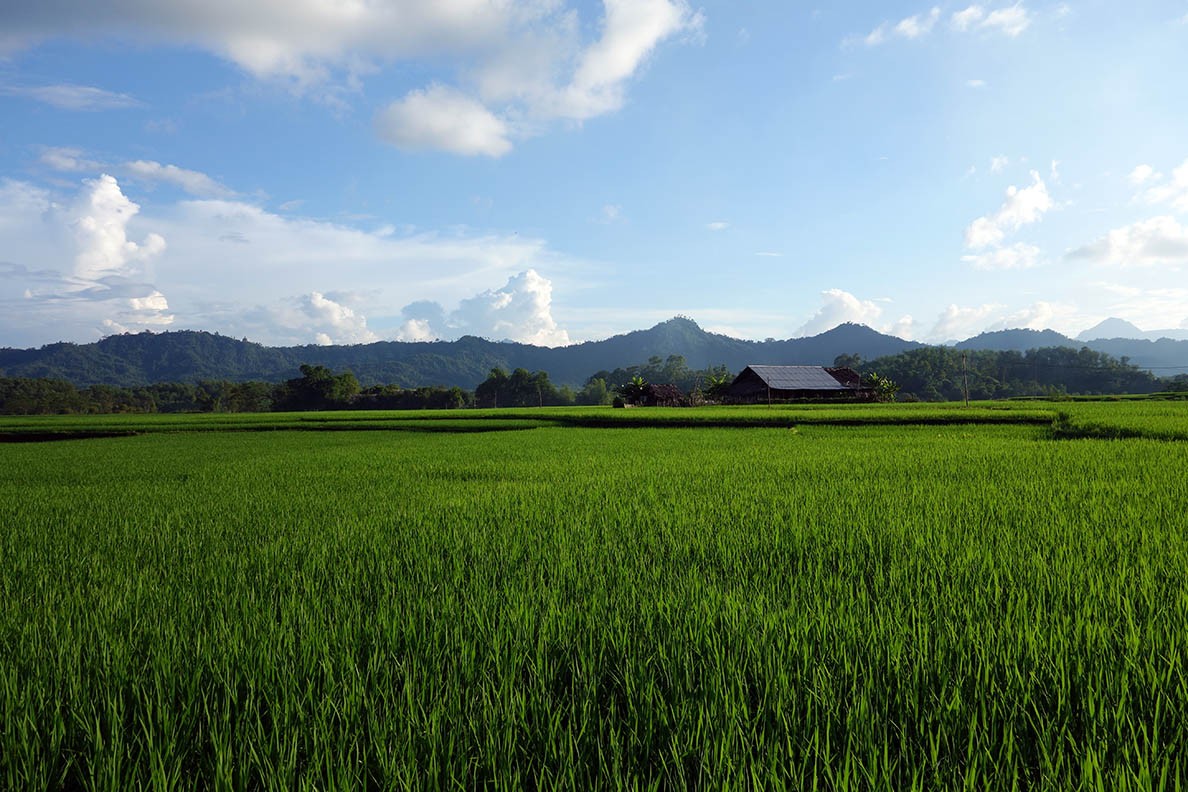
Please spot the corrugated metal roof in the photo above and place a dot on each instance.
(797, 378)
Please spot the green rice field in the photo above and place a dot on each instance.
(864, 597)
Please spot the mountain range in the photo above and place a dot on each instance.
(190, 356)
(1120, 328)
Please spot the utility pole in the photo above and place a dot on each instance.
(965, 375)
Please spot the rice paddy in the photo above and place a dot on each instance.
(872, 597)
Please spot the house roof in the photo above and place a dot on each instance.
(797, 378)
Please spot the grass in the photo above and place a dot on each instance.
(885, 606)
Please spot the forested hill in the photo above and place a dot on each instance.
(190, 356)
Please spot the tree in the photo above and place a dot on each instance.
(635, 390)
(319, 389)
(594, 392)
(716, 386)
(884, 389)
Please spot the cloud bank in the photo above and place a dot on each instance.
(520, 311)
(83, 264)
(514, 67)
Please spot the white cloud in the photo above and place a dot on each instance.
(1017, 256)
(919, 25)
(332, 322)
(1021, 207)
(769, 254)
(301, 40)
(957, 322)
(1010, 20)
(998, 164)
(1174, 191)
(1159, 241)
(234, 267)
(905, 327)
(968, 18)
(975, 83)
(193, 182)
(443, 118)
(1142, 174)
(520, 311)
(93, 276)
(72, 97)
(912, 27)
(717, 225)
(68, 160)
(876, 36)
(513, 66)
(840, 306)
(100, 229)
(1038, 316)
(631, 30)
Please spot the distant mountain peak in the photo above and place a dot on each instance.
(1111, 328)
(679, 321)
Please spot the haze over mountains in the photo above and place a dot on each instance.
(1120, 328)
(190, 356)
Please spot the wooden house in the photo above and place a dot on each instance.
(759, 384)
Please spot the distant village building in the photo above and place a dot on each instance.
(664, 396)
(759, 384)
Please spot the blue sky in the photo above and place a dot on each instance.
(308, 171)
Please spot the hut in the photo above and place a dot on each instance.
(756, 384)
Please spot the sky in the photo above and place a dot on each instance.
(548, 171)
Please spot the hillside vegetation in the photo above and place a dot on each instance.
(191, 357)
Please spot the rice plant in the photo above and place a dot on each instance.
(831, 607)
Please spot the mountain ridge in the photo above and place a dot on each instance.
(194, 355)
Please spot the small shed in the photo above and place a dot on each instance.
(663, 396)
(756, 384)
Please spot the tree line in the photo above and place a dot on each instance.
(944, 373)
(927, 374)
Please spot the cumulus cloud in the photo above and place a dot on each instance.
(958, 322)
(93, 276)
(839, 307)
(520, 311)
(443, 118)
(192, 182)
(72, 97)
(1141, 175)
(94, 255)
(100, 228)
(918, 25)
(912, 27)
(515, 66)
(905, 327)
(1023, 206)
(999, 164)
(333, 322)
(1037, 316)
(1173, 191)
(1010, 20)
(1159, 241)
(1017, 256)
